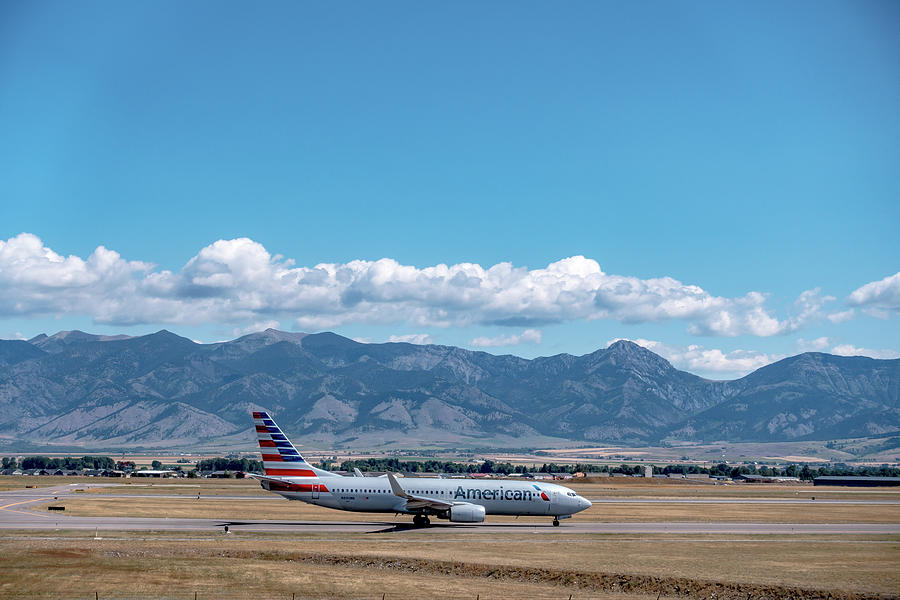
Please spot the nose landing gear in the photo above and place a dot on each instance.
(555, 522)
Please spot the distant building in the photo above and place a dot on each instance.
(857, 481)
(766, 479)
(648, 471)
(153, 473)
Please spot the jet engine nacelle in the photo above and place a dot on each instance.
(466, 513)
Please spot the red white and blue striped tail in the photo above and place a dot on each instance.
(280, 458)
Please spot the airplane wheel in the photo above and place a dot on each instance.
(427, 521)
(420, 521)
(556, 522)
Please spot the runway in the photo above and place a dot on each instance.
(14, 515)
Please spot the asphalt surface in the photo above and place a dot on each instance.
(15, 514)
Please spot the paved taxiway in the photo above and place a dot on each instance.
(14, 514)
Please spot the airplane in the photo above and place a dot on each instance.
(459, 500)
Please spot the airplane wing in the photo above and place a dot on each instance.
(416, 502)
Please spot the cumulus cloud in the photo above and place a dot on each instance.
(529, 336)
(34, 280)
(412, 338)
(878, 298)
(238, 282)
(842, 316)
(257, 326)
(696, 358)
(816, 345)
(851, 350)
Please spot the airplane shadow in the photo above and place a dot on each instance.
(400, 527)
(387, 527)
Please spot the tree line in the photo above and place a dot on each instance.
(230, 464)
(72, 463)
(234, 465)
(805, 472)
(69, 463)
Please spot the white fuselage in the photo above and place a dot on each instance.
(374, 494)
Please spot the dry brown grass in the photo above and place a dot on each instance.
(245, 564)
(836, 564)
(208, 508)
(163, 569)
(162, 564)
(185, 487)
(755, 513)
(663, 488)
(613, 487)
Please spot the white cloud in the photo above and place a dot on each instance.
(529, 336)
(412, 338)
(816, 345)
(238, 282)
(257, 326)
(851, 350)
(711, 361)
(879, 297)
(840, 317)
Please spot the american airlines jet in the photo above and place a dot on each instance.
(459, 500)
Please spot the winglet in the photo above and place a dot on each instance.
(357, 472)
(395, 487)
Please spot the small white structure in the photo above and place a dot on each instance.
(153, 473)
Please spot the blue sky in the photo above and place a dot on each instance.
(714, 164)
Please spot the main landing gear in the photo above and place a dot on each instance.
(555, 522)
(421, 521)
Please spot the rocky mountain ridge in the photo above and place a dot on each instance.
(163, 390)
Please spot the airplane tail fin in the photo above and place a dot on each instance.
(280, 458)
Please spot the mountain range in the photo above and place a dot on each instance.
(166, 391)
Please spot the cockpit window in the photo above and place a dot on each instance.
(571, 494)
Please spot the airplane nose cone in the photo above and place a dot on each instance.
(584, 503)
